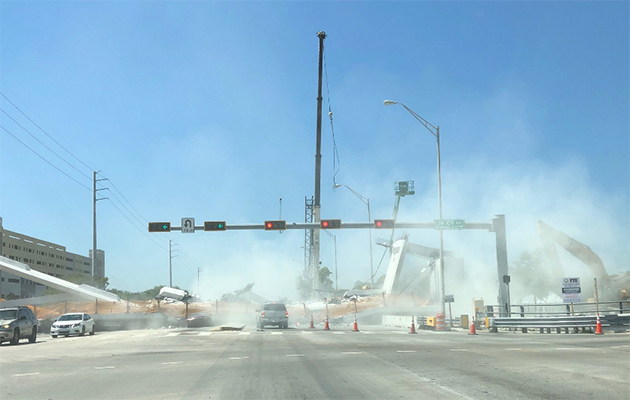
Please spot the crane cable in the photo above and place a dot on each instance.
(332, 128)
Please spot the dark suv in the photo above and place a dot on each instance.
(273, 313)
(18, 323)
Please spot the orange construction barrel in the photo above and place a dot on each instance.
(440, 323)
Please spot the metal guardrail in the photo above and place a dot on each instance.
(558, 309)
(575, 323)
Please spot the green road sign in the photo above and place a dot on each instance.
(159, 226)
(443, 224)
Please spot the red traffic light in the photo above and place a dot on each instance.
(275, 225)
(330, 224)
(384, 223)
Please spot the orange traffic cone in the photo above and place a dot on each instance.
(598, 329)
(355, 326)
(312, 326)
(326, 327)
(413, 326)
(473, 329)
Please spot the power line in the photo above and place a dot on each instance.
(40, 156)
(43, 144)
(135, 226)
(46, 133)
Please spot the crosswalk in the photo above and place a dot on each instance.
(278, 333)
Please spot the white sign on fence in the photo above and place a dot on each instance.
(571, 290)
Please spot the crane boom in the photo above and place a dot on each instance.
(550, 236)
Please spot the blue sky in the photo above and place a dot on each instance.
(208, 110)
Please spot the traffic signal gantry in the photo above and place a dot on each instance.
(281, 225)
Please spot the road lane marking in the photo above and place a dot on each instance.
(458, 349)
(295, 355)
(238, 358)
(108, 367)
(277, 333)
(514, 349)
(367, 332)
(244, 333)
(307, 333)
(351, 352)
(205, 333)
(172, 362)
(338, 333)
(172, 334)
(405, 351)
(27, 374)
(623, 346)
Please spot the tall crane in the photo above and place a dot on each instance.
(549, 237)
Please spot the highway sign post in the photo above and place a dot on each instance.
(188, 225)
(444, 224)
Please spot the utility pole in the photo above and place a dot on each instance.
(94, 200)
(318, 165)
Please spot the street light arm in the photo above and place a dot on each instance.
(430, 127)
(363, 199)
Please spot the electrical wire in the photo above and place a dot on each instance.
(43, 158)
(43, 144)
(46, 133)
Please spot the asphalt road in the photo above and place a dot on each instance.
(375, 363)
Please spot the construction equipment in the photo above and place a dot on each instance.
(614, 286)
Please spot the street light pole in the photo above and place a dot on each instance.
(435, 130)
(367, 203)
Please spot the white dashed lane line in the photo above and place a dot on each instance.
(405, 351)
(238, 358)
(295, 355)
(351, 352)
(244, 333)
(458, 349)
(108, 367)
(277, 333)
(27, 374)
(338, 333)
(208, 333)
(172, 362)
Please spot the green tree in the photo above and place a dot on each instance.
(531, 276)
(325, 283)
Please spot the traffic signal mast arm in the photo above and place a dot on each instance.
(345, 225)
